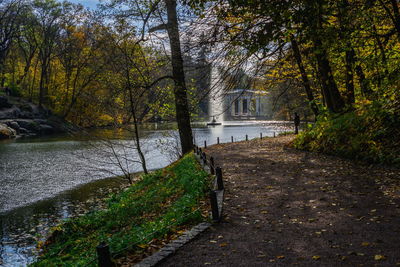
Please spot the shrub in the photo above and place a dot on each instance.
(370, 133)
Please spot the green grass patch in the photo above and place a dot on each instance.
(160, 204)
(370, 133)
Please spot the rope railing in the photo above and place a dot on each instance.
(246, 137)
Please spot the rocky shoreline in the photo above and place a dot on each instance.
(20, 118)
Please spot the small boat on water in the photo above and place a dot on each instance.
(213, 122)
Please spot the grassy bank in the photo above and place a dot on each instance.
(370, 133)
(159, 205)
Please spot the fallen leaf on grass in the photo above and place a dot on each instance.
(280, 257)
(316, 257)
(223, 245)
(365, 244)
(379, 257)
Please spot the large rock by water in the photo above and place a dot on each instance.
(22, 118)
(7, 132)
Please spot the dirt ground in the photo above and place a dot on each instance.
(285, 207)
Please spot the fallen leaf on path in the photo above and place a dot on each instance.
(379, 257)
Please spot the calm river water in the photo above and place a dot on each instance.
(48, 179)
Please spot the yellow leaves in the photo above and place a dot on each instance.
(379, 257)
(365, 244)
(316, 257)
(280, 257)
(143, 246)
(223, 245)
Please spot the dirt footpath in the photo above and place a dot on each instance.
(285, 207)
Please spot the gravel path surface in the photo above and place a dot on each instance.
(285, 207)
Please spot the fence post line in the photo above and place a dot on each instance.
(220, 182)
(232, 139)
(204, 158)
(260, 135)
(103, 253)
(217, 140)
(247, 137)
(214, 205)
(205, 144)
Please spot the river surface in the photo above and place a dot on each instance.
(48, 179)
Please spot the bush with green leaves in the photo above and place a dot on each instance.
(371, 133)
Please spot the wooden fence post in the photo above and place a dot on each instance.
(220, 182)
(274, 134)
(103, 253)
(261, 136)
(247, 137)
(204, 158)
(205, 144)
(212, 170)
(217, 140)
(232, 139)
(214, 205)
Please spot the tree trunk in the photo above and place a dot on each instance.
(396, 12)
(344, 34)
(334, 101)
(363, 81)
(137, 138)
(181, 101)
(306, 82)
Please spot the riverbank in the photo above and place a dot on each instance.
(136, 221)
(286, 207)
(22, 228)
(21, 118)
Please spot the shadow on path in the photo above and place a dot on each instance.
(285, 207)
